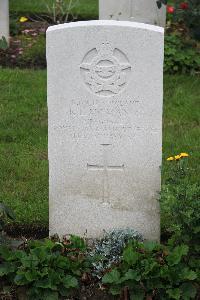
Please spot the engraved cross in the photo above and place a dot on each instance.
(105, 168)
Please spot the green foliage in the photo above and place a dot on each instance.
(85, 9)
(150, 270)
(23, 145)
(14, 26)
(180, 57)
(46, 269)
(189, 15)
(192, 18)
(25, 51)
(180, 207)
(35, 55)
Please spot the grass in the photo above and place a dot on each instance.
(23, 144)
(23, 137)
(85, 9)
(181, 121)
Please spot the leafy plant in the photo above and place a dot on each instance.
(152, 271)
(180, 56)
(187, 12)
(180, 208)
(45, 269)
(107, 251)
(34, 56)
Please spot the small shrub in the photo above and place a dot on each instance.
(152, 271)
(46, 270)
(59, 11)
(26, 51)
(35, 55)
(180, 206)
(108, 250)
(188, 13)
(180, 57)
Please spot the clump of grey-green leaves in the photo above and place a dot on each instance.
(107, 251)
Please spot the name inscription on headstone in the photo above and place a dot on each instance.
(99, 119)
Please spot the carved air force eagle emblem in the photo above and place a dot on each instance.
(105, 70)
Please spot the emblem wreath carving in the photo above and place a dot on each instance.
(105, 70)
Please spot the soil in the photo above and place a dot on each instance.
(27, 231)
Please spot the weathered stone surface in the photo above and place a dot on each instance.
(105, 89)
(4, 19)
(144, 11)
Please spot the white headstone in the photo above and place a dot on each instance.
(144, 11)
(105, 90)
(4, 19)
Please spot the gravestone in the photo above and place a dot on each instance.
(4, 19)
(105, 89)
(144, 11)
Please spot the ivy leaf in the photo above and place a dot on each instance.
(174, 294)
(31, 275)
(30, 261)
(131, 275)
(20, 279)
(129, 256)
(188, 274)
(176, 255)
(45, 283)
(111, 277)
(151, 245)
(70, 282)
(188, 291)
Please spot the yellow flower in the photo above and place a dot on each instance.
(177, 157)
(170, 158)
(23, 19)
(184, 154)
